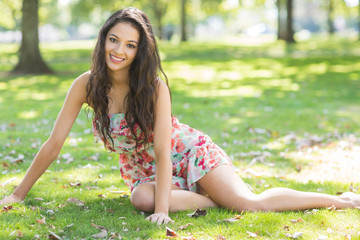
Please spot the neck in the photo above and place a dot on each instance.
(119, 78)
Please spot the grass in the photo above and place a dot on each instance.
(248, 98)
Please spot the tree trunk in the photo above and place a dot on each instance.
(183, 21)
(331, 28)
(30, 60)
(281, 30)
(289, 19)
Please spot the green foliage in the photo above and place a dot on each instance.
(224, 90)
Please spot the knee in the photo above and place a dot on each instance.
(143, 199)
(253, 203)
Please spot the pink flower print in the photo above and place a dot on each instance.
(180, 146)
(201, 141)
(128, 167)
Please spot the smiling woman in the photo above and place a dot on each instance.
(168, 166)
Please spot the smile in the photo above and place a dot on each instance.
(116, 59)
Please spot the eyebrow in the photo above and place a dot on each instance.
(128, 40)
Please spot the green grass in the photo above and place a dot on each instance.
(227, 91)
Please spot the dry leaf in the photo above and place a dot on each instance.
(115, 236)
(286, 227)
(185, 226)
(6, 208)
(39, 199)
(296, 220)
(198, 213)
(19, 234)
(100, 235)
(233, 219)
(76, 201)
(41, 221)
(53, 236)
(75, 184)
(70, 225)
(332, 208)
(101, 195)
(171, 233)
(297, 235)
(322, 237)
(98, 227)
(251, 234)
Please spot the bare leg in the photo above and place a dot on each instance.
(143, 197)
(227, 189)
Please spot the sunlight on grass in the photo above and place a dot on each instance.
(28, 114)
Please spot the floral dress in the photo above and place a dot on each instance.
(193, 154)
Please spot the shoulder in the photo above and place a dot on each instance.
(83, 79)
(78, 87)
(161, 86)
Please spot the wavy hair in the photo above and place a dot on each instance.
(144, 72)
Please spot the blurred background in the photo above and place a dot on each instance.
(176, 20)
(232, 21)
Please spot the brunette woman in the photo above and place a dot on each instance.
(169, 166)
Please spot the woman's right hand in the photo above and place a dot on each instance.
(10, 199)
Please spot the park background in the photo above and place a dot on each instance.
(274, 83)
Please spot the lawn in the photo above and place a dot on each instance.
(288, 116)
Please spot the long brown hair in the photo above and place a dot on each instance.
(139, 103)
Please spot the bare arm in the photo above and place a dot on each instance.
(49, 151)
(162, 147)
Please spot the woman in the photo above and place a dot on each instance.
(168, 165)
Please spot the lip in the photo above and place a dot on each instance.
(116, 59)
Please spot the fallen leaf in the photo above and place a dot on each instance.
(38, 199)
(251, 234)
(296, 220)
(297, 235)
(332, 208)
(98, 226)
(41, 221)
(76, 201)
(115, 236)
(75, 184)
(171, 233)
(198, 213)
(100, 235)
(70, 225)
(286, 227)
(101, 195)
(8, 181)
(185, 226)
(7, 208)
(322, 237)
(5, 165)
(19, 234)
(53, 236)
(233, 219)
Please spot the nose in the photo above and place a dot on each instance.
(120, 48)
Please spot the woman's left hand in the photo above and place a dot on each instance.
(159, 218)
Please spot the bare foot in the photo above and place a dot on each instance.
(352, 198)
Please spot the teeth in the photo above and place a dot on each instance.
(117, 59)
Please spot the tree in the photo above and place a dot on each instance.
(183, 21)
(30, 60)
(285, 26)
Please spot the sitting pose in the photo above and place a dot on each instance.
(169, 166)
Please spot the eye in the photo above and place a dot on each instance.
(113, 40)
(131, 45)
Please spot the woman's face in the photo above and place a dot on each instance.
(121, 47)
